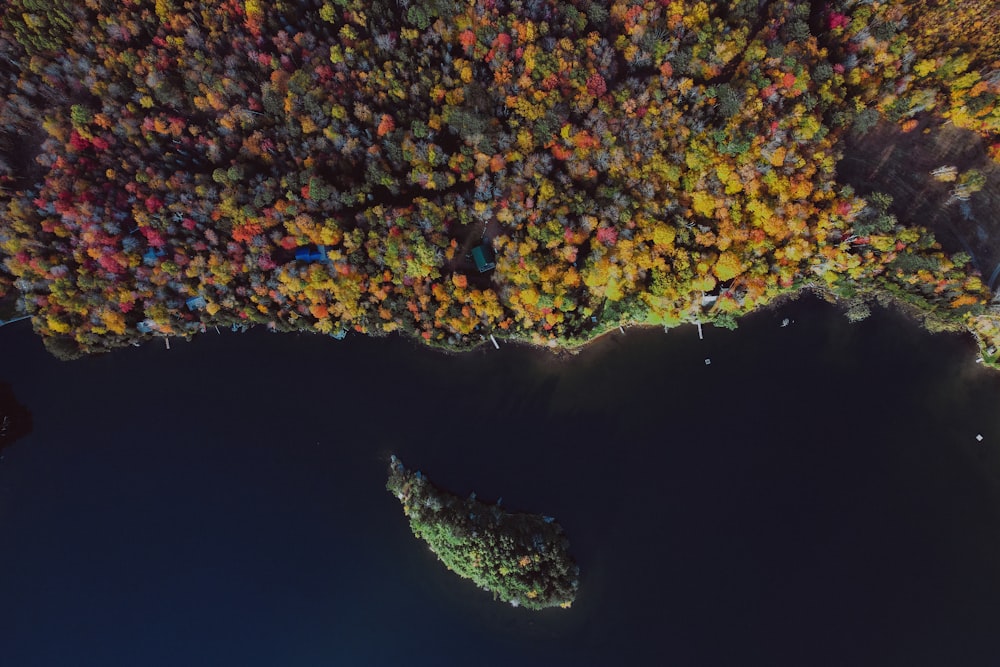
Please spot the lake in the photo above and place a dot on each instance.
(814, 496)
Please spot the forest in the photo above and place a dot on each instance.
(334, 166)
(521, 558)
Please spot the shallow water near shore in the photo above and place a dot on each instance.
(815, 495)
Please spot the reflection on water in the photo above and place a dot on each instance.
(814, 496)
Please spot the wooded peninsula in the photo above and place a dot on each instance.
(536, 170)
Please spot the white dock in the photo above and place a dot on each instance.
(11, 321)
(701, 336)
(495, 343)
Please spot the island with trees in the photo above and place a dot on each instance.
(535, 170)
(521, 558)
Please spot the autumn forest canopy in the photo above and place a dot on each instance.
(333, 166)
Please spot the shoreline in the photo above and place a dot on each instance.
(882, 297)
(556, 350)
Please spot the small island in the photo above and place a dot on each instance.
(522, 559)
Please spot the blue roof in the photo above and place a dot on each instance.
(306, 254)
(151, 254)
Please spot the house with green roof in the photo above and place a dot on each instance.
(482, 255)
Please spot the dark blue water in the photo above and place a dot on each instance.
(815, 496)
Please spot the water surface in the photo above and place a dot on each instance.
(814, 496)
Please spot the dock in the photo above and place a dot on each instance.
(4, 323)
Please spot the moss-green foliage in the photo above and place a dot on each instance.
(521, 558)
(40, 25)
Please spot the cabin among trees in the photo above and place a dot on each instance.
(311, 254)
(483, 256)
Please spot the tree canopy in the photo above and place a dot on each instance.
(167, 165)
(522, 559)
